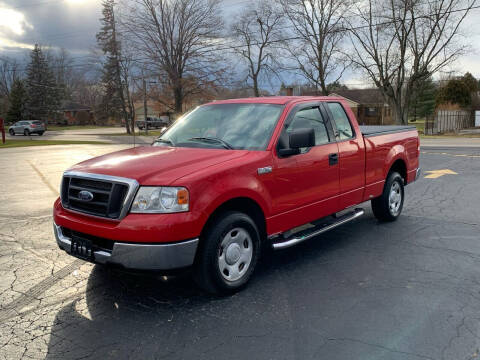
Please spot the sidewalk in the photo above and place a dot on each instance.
(450, 142)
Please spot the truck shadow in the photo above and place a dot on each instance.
(126, 315)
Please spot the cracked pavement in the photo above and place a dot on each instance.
(405, 290)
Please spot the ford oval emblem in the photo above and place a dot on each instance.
(85, 195)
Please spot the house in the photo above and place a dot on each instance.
(75, 114)
(368, 106)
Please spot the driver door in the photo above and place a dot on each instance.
(306, 185)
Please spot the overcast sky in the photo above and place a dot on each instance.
(72, 24)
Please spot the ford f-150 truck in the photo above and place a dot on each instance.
(227, 179)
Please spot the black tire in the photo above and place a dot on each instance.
(206, 272)
(26, 132)
(386, 208)
(11, 132)
(40, 133)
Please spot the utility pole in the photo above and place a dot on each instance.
(145, 105)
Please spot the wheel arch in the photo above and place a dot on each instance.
(399, 166)
(242, 204)
(395, 161)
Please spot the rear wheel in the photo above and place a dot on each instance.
(228, 254)
(26, 132)
(40, 133)
(389, 205)
(11, 132)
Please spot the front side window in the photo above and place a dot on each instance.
(341, 121)
(310, 118)
(234, 126)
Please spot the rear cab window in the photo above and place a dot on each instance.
(37, 122)
(341, 121)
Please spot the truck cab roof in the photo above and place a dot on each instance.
(279, 100)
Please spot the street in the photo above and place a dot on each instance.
(367, 290)
(114, 135)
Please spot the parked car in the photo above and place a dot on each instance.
(152, 123)
(229, 177)
(27, 127)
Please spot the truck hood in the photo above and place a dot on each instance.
(151, 165)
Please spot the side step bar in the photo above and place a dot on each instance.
(309, 233)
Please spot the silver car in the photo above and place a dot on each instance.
(27, 127)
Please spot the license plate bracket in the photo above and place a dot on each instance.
(82, 248)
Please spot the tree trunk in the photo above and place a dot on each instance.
(127, 121)
(400, 114)
(255, 86)
(178, 94)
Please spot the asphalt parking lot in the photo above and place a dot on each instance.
(404, 290)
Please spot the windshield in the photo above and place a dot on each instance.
(230, 126)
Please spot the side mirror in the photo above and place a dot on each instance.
(301, 138)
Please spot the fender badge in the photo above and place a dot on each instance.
(264, 170)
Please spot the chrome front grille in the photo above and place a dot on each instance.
(97, 195)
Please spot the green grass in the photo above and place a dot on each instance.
(72, 127)
(419, 123)
(137, 133)
(25, 143)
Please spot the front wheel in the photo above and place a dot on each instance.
(228, 253)
(389, 205)
(11, 132)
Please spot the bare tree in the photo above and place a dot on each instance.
(9, 72)
(90, 93)
(400, 43)
(253, 33)
(127, 68)
(177, 39)
(318, 24)
(68, 74)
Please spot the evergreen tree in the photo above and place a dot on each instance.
(335, 86)
(424, 99)
(457, 91)
(114, 101)
(470, 81)
(42, 92)
(18, 95)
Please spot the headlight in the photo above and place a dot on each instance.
(154, 199)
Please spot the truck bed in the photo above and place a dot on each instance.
(374, 130)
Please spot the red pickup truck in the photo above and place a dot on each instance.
(228, 178)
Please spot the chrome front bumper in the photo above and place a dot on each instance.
(139, 256)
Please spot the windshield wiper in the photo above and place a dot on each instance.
(165, 141)
(212, 139)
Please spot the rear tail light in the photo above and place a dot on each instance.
(33, 126)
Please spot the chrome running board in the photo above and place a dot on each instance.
(326, 225)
